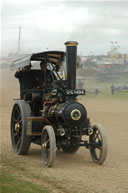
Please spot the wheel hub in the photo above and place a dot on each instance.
(44, 146)
(17, 127)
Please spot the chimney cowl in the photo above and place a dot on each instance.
(71, 43)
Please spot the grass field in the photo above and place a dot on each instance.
(11, 184)
(105, 89)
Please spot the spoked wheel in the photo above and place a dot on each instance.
(20, 141)
(48, 146)
(98, 144)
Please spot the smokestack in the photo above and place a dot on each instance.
(71, 54)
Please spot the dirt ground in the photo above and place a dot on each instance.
(73, 173)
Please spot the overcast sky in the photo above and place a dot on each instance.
(49, 24)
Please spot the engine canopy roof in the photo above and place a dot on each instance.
(54, 57)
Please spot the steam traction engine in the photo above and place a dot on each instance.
(61, 121)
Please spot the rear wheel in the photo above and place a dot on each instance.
(20, 141)
(98, 144)
(48, 146)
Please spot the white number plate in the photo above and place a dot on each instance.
(75, 92)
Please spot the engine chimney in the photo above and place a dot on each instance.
(71, 54)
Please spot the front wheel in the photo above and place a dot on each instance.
(48, 146)
(98, 144)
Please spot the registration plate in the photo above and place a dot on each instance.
(75, 92)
